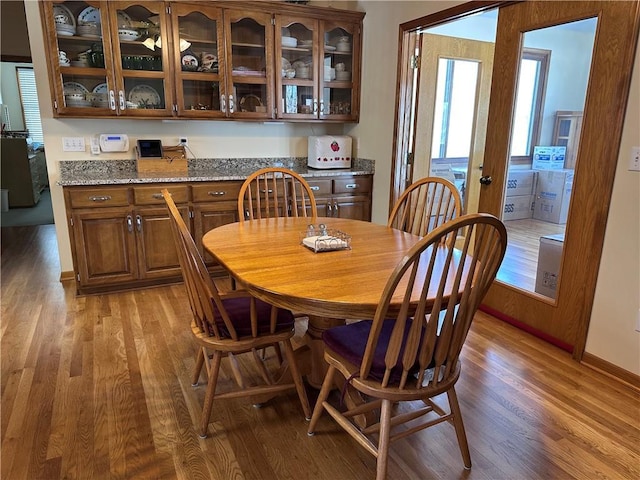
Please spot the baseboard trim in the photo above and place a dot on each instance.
(611, 370)
(67, 276)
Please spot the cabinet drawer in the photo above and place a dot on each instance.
(218, 191)
(99, 197)
(360, 184)
(320, 187)
(153, 195)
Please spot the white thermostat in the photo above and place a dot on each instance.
(114, 142)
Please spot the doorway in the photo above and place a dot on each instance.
(563, 316)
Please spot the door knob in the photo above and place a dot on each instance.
(486, 180)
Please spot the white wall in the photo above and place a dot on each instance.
(611, 334)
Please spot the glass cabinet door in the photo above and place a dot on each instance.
(79, 49)
(141, 58)
(339, 89)
(198, 41)
(249, 43)
(297, 68)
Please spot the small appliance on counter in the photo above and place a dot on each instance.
(329, 151)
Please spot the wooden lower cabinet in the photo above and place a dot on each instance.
(121, 235)
(343, 197)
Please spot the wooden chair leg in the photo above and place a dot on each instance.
(198, 367)
(383, 443)
(459, 426)
(327, 385)
(211, 391)
(297, 379)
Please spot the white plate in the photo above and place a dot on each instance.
(286, 64)
(62, 10)
(101, 88)
(144, 95)
(74, 87)
(124, 20)
(89, 15)
(329, 48)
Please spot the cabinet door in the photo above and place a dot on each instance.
(341, 50)
(78, 50)
(249, 57)
(105, 246)
(297, 69)
(207, 216)
(354, 207)
(142, 67)
(157, 254)
(198, 60)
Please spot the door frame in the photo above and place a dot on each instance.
(581, 299)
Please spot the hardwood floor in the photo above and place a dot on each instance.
(99, 387)
(520, 263)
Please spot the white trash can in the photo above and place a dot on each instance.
(4, 200)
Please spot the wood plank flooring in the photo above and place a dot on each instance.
(521, 260)
(99, 387)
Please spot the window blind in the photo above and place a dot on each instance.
(29, 99)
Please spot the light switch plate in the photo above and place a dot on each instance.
(73, 144)
(634, 161)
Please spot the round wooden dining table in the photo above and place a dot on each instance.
(267, 258)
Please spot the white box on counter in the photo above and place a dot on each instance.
(521, 182)
(553, 194)
(329, 151)
(549, 257)
(518, 207)
(548, 158)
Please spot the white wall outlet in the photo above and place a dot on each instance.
(184, 141)
(638, 322)
(634, 161)
(73, 144)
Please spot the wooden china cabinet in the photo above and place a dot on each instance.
(224, 60)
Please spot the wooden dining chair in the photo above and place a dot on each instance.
(425, 205)
(411, 352)
(275, 192)
(229, 324)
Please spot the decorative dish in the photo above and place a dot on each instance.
(124, 20)
(101, 88)
(329, 48)
(144, 96)
(248, 103)
(189, 63)
(89, 15)
(63, 16)
(74, 87)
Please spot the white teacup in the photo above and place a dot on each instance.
(62, 56)
(340, 67)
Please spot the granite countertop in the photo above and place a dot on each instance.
(118, 172)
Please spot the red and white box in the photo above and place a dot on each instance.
(329, 151)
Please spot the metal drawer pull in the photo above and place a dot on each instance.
(129, 224)
(159, 195)
(139, 222)
(314, 187)
(267, 191)
(102, 198)
(216, 194)
(351, 185)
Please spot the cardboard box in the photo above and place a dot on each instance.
(553, 194)
(329, 151)
(548, 271)
(548, 158)
(521, 182)
(517, 208)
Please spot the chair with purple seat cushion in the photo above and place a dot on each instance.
(410, 349)
(230, 324)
